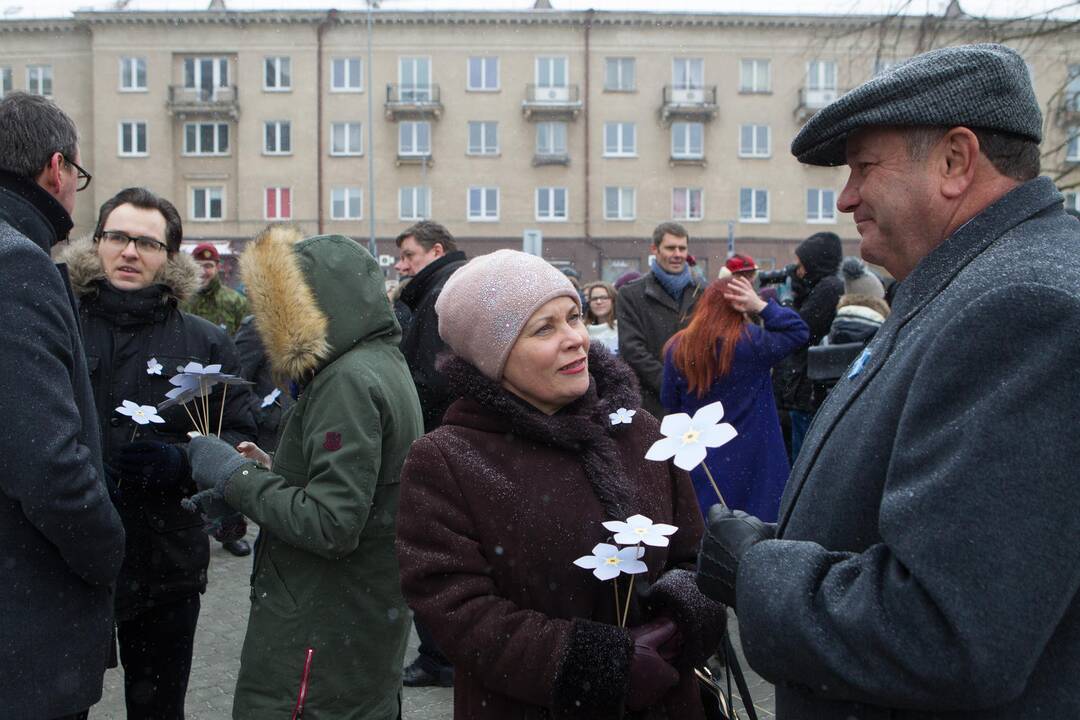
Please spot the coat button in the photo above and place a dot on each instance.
(115, 422)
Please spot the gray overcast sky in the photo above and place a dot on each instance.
(999, 8)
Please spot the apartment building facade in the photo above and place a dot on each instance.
(583, 128)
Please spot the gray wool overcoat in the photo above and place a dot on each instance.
(928, 552)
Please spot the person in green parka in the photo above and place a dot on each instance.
(325, 574)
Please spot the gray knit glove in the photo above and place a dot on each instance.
(213, 461)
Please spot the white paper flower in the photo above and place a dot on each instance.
(687, 439)
(622, 416)
(194, 368)
(153, 367)
(269, 399)
(178, 396)
(142, 414)
(608, 561)
(640, 529)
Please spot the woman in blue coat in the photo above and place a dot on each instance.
(723, 356)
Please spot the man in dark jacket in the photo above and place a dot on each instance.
(817, 291)
(268, 401)
(61, 540)
(654, 307)
(428, 256)
(925, 565)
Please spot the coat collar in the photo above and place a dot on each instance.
(420, 284)
(32, 211)
(655, 291)
(179, 278)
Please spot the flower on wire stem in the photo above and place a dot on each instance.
(688, 439)
(639, 529)
(141, 414)
(608, 561)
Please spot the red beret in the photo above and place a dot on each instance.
(206, 251)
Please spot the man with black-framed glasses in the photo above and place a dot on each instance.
(61, 539)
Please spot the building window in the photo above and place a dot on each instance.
(619, 203)
(414, 138)
(132, 74)
(1072, 89)
(414, 74)
(483, 203)
(686, 203)
(345, 75)
(755, 76)
(687, 140)
(620, 139)
(551, 204)
(551, 73)
(133, 138)
(277, 137)
(414, 203)
(483, 138)
(207, 203)
(551, 138)
(820, 83)
(1072, 201)
(1072, 152)
(345, 203)
(278, 203)
(206, 138)
(688, 73)
(39, 79)
(206, 74)
(5, 81)
(820, 206)
(346, 138)
(277, 74)
(619, 74)
(754, 141)
(753, 205)
(483, 74)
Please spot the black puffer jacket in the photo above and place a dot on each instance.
(167, 551)
(255, 366)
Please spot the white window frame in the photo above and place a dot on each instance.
(208, 189)
(688, 81)
(132, 65)
(615, 72)
(549, 129)
(6, 80)
(755, 150)
(416, 194)
(1072, 147)
(756, 195)
(282, 131)
(135, 125)
(685, 150)
(415, 91)
(485, 70)
(615, 136)
(688, 193)
(199, 152)
(1072, 200)
(277, 190)
(817, 75)
(483, 213)
(487, 127)
(552, 60)
(219, 72)
(412, 128)
(282, 66)
(625, 196)
(349, 86)
(821, 206)
(755, 75)
(346, 149)
(347, 193)
(39, 77)
(550, 194)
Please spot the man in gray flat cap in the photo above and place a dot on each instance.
(925, 561)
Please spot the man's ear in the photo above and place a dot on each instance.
(438, 249)
(957, 154)
(52, 177)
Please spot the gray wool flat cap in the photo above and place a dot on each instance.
(983, 87)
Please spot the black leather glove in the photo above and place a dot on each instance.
(152, 463)
(651, 676)
(728, 535)
(213, 461)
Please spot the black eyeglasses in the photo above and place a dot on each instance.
(144, 245)
(84, 177)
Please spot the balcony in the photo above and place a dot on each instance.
(423, 159)
(413, 102)
(696, 104)
(687, 159)
(810, 101)
(1068, 112)
(185, 102)
(551, 103)
(551, 158)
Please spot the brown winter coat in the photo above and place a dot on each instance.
(497, 504)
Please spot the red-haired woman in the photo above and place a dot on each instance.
(723, 356)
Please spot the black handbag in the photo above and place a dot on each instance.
(716, 698)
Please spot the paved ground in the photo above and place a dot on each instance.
(217, 657)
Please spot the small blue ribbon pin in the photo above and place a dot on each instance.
(859, 364)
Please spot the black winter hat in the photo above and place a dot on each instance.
(820, 254)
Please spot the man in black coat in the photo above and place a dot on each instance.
(61, 540)
(428, 256)
(925, 562)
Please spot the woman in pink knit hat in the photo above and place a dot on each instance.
(498, 502)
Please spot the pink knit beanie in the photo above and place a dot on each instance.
(484, 305)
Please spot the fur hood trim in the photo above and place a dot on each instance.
(290, 322)
(180, 274)
(867, 301)
(583, 427)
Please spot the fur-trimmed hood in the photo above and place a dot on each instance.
(313, 298)
(853, 300)
(179, 276)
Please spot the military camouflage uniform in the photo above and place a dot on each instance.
(220, 305)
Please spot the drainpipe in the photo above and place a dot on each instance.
(588, 134)
(331, 16)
